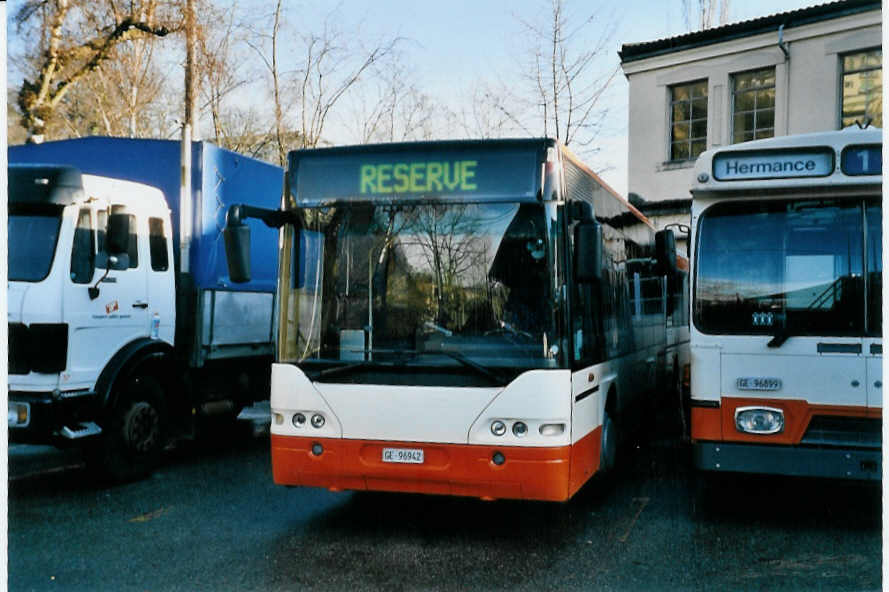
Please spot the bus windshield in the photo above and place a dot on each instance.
(789, 267)
(446, 285)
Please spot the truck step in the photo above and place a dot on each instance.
(82, 430)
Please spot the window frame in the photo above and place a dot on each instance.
(756, 110)
(842, 80)
(672, 102)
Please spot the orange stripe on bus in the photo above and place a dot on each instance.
(706, 423)
(719, 423)
(552, 474)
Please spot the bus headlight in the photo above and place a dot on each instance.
(552, 429)
(498, 428)
(519, 428)
(759, 420)
(318, 421)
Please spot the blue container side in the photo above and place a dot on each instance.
(219, 178)
(224, 179)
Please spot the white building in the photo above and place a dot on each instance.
(813, 69)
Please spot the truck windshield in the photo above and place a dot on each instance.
(33, 233)
(465, 287)
(782, 268)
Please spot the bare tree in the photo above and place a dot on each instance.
(705, 13)
(76, 37)
(566, 74)
(269, 57)
(219, 69)
(118, 95)
(330, 68)
(390, 107)
(563, 76)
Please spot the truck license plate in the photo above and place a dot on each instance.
(403, 455)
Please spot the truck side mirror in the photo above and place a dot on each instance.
(117, 238)
(665, 252)
(237, 247)
(588, 247)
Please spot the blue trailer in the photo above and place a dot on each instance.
(125, 328)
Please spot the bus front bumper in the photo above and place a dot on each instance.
(797, 461)
(447, 469)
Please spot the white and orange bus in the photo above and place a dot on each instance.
(475, 318)
(786, 345)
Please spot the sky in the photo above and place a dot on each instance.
(452, 44)
(460, 41)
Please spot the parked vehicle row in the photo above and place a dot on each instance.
(476, 318)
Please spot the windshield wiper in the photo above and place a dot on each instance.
(486, 372)
(344, 369)
(779, 338)
(783, 334)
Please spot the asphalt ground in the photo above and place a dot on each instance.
(210, 518)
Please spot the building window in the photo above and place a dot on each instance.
(753, 105)
(688, 120)
(863, 87)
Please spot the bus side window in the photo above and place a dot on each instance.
(874, 268)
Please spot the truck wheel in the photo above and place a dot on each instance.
(136, 432)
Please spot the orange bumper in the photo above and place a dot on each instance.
(718, 423)
(552, 474)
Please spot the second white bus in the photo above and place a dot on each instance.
(786, 345)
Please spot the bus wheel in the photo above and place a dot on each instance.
(135, 435)
(608, 457)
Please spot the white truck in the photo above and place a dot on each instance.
(112, 347)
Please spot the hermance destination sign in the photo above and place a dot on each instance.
(744, 166)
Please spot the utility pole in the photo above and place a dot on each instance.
(188, 131)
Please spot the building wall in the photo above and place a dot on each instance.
(807, 92)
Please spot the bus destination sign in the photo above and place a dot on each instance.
(862, 160)
(496, 175)
(790, 164)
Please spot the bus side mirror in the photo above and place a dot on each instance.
(665, 252)
(588, 248)
(237, 247)
(117, 240)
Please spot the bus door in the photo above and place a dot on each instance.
(873, 343)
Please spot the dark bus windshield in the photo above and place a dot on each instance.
(788, 267)
(33, 233)
(444, 284)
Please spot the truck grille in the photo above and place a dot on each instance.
(18, 349)
(858, 432)
(40, 347)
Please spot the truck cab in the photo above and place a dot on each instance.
(90, 277)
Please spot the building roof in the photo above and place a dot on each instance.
(631, 52)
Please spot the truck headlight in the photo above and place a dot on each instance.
(19, 415)
(759, 420)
